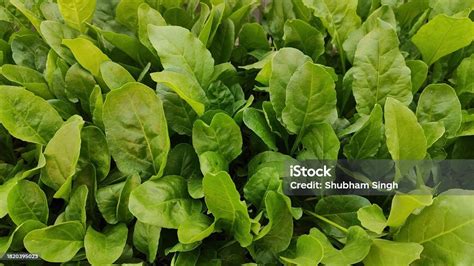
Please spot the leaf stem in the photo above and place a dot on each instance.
(324, 219)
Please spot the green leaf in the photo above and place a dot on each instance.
(447, 242)
(341, 210)
(356, 248)
(405, 137)
(62, 154)
(404, 204)
(26, 201)
(443, 35)
(185, 86)
(195, 229)
(419, 73)
(54, 33)
(148, 16)
(14, 242)
(146, 238)
(310, 98)
(87, 54)
(303, 36)
(259, 184)
(136, 130)
(180, 49)
(372, 218)
(309, 251)
(94, 150)
(366, 141)
(76, 209)
(222, 136)
(253, 37)
(275, 237)
(31, 79)
(338, 17)
(463, 77)
(26, 116)
(57, 243)
(320, 142)
(114, 75)
(106, 247)
(283, 67)
(177, 110)
(77, 13)
(384, 253)
(379, 70)
(113, 200)
(79, 85)
(126, 13)
(163, 202)
(223, 201)
(439, 103)
(255, 120)
(212, 162)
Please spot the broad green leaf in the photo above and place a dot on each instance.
(448, 242)
(253, 37)
(26, 201)
(185, 86)
(450, 7)
(114, 75)
(146, 238)
(177, 110)
(404, 204)
(443, 35)
(57, 243)
(5, 189)
(180, 49)
(223, 201)
(341, 210)
(223, 43)
(320, 142)
(283, 67)
(384, 13)
(463, 77)
(136, 130)
(127, 13)
(107, 246)
(366, 141)
(372, 218)
(356, 247)
(182, 161)
(54, 33)
(303, 36)
(76, 209)
(31, 16)
(77, 13)
(438, 102)
(14, 242)
(310, 98)
(96, 102)
(87, 54)
(405, 136)
(259, 184)
(379, 70)
(79, 85)
(62, 154)
(222, 136)
(163, 202)
(148, 16)
(309, 251)
(113, 200)
(94, 150)
(339, 17)
(195, 229)
(385, 253)
(26, 116)
(31, 79)
(255, 120)
(212, 162)
(419, 73)
(271, 159)
(275, 237)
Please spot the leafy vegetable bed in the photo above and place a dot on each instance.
(141, 131)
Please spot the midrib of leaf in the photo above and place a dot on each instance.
(144, 133)
(447, 231)
(29, 208)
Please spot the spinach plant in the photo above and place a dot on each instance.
(157, 132)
